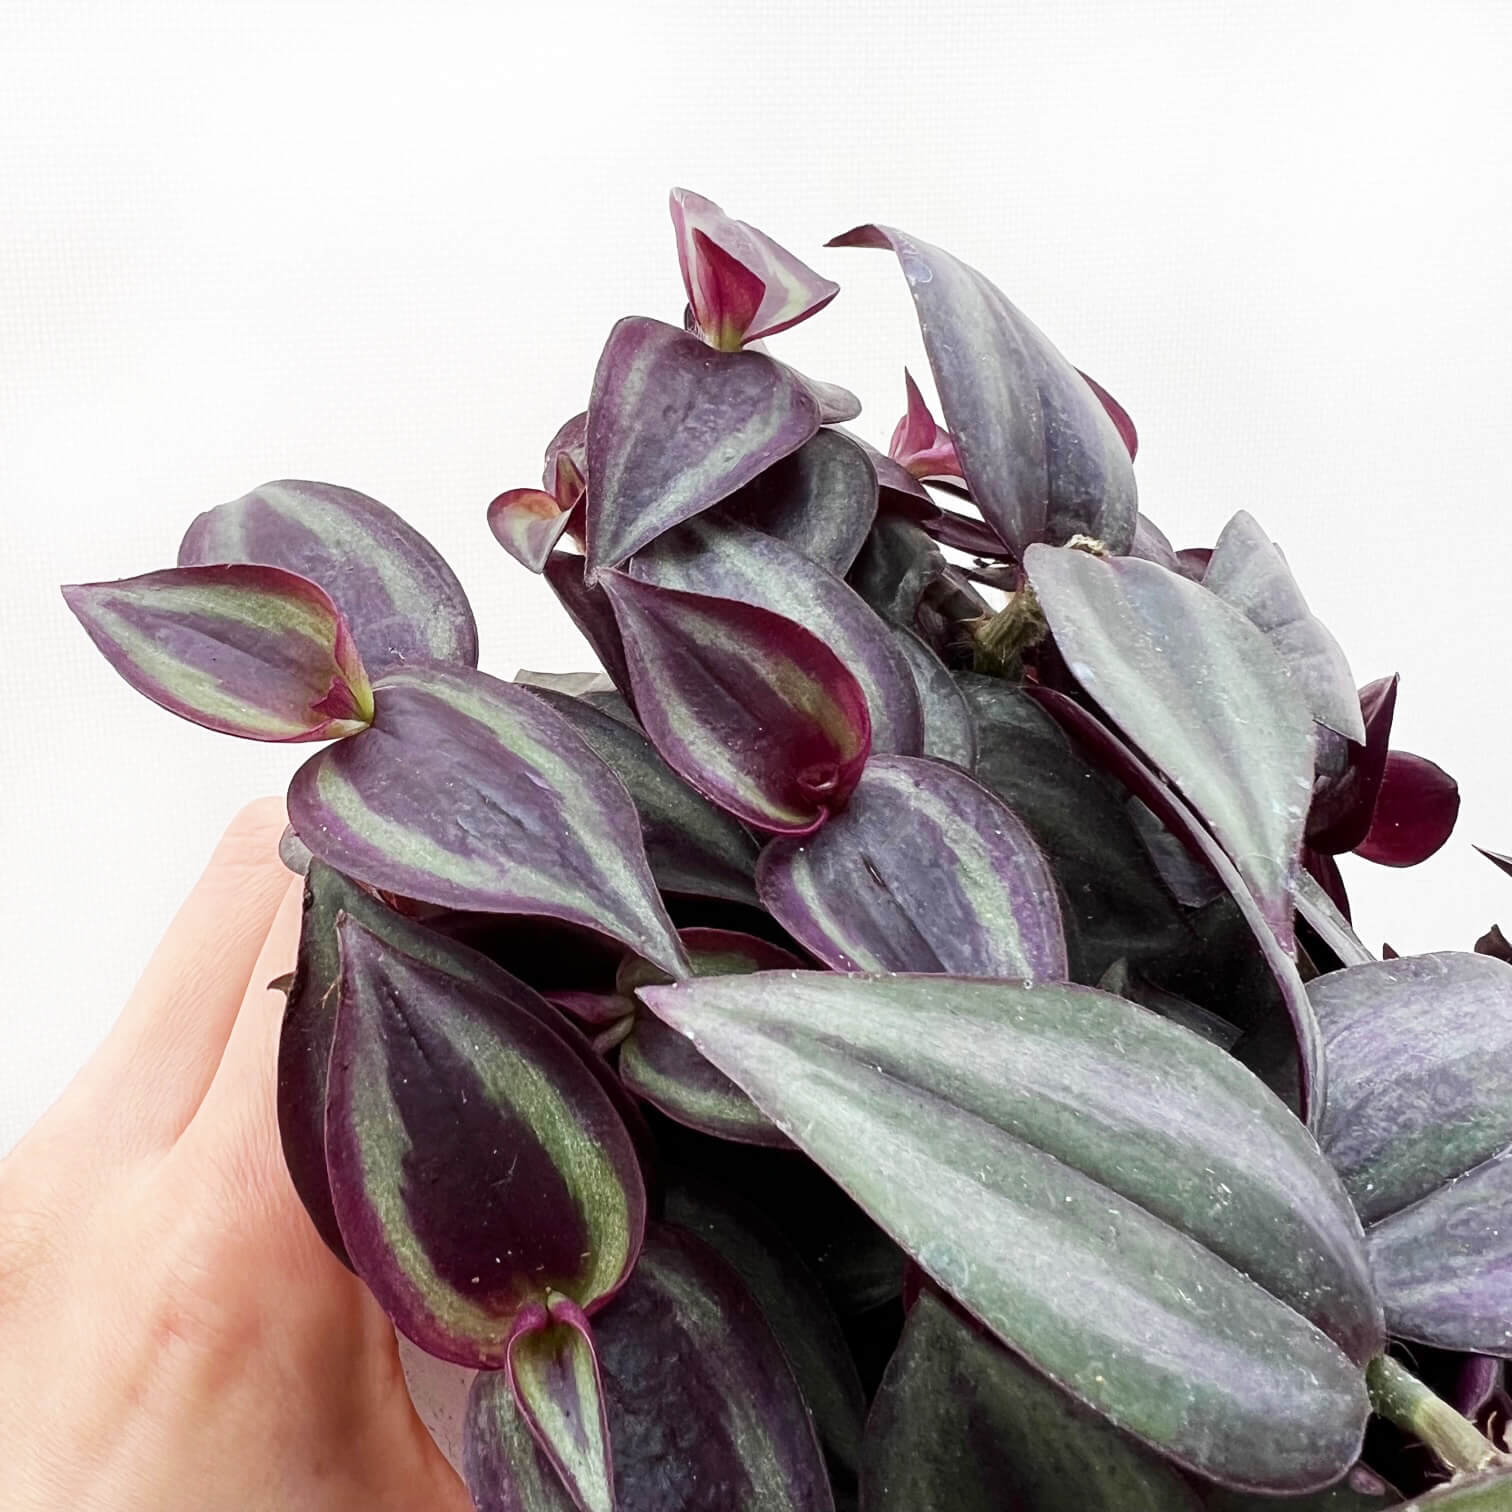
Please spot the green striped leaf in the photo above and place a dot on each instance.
(949, 729)
(309, 1025)
(750, 708)
(1042, 456)
(1419, 1125)
(1201, 692)
(703, 1411)
(249, 651)
(1116, 1199)
(660, 1066)
(692, 846)
(476, 1165)
(403, 602)
(961, 1425)
(472, 793)
(793, 1304)
(674, 427)
(731, 561)
(923, 871)
(554, 1374)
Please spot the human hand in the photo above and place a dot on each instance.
(173, 1333)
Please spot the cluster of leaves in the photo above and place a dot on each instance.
(897, 1039)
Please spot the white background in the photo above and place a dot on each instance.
(380, 244)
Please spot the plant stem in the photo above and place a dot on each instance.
(1397, 1395)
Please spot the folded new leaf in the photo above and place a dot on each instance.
(554, 1375)
(753, 710)
(740, 284)
(961, 1425)
(246, 650)
(702, 1408)
(1419, 1125)
(674, 427)
(1202, 693)
(403, 603)
(732, 561)
(1043, 459)
(528, 522)
(925, 870)
(1012, 1136)
(476, 1165)
(472, 793)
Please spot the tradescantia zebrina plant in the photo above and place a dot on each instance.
(894, 1037)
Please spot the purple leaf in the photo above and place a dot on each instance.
(753, 710)
(309, 1025)
(1319, 912)
(703, 1411)
(1151, 543)
(250, 651)
(729, 561)
(1192, 561)
(1042, 457)
(473, 794)
(1200, 691)
(1121, 980)
(1324, 870)
(528, 522)
(821, 500)
(1011, 1136)
(674, 427)
(570, 441)
(1343, 803)
(1116, 757)
(1504, 863)
(949, 729)
(961, 1425)
(554, 1374)
(589, 610)
(962, 533)
(692, 846)
(919, 443)
(1248, 571)
(896, 566)
(836, 404)
(403, 602)
(1116, 413)
(1479, 1383)
(660, 1066)
(898, 491)
(1495, 943)
(741, 285)
(476, 1166)
(1419, 1125)
(1415, 811)
(923, 871)
(793, 1304)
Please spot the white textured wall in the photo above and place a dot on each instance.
(381, 244)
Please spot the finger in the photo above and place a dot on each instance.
(237, 1120)
(158, 1061)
